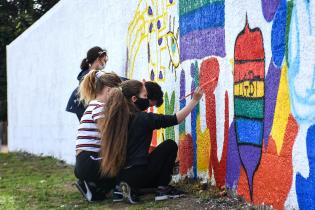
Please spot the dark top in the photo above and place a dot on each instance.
(140, 132)
(74, 105)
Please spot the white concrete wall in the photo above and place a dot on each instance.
(43, 64)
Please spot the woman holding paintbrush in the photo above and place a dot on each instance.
(127, 134)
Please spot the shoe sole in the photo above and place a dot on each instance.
(176, 196)
(120, 199)
(82, 192)
(126, 191)
(161, 198)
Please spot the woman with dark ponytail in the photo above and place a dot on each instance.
(96, 59)
(126, 133)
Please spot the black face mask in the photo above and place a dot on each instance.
(142, 103)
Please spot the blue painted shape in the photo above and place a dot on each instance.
(278, 33)
(249, 131)
(208, 16)
(294, 56)
(305, 187)
(194, 113)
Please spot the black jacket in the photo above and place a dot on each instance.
(74, 105)
(140, 131)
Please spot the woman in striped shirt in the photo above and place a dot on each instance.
(93, 92)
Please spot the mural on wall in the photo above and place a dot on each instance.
(153, 29)
(253, 130)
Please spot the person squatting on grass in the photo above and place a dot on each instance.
(93, 91)
(126, 134)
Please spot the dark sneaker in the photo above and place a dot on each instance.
(176, 168)
(168, 192)
(84, 190)
(175, 193)
(118, 195)
(128, 193)
(161, 194)
(89, 191)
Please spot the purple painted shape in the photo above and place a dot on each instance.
(233, 163)
(271, 91)
(160, 41)
(182, 83)
(160, 75)
(199, 44)
(192, 73)
(150, 12)
(269, 8)
(192, 70)
(250, 157)
(152, 75)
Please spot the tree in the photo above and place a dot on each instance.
(15, 17)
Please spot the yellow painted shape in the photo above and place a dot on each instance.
(253, 89)
(203, 148)
(282, 110)
(161, 132)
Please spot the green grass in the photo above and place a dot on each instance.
(30, 182)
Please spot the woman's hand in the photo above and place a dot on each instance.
(198, 94)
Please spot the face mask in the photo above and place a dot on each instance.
(142, 103)
(101, 67)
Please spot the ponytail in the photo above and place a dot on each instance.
(114, 126)
(114, 132)
(85, 64)
(87, 87)
(94, 82)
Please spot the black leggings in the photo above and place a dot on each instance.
(158, 172)
(87, 168)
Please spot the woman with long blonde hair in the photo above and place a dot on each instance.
(94, 90)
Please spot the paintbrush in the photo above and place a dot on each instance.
(201, 86)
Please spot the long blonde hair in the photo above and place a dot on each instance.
(94, 82)
(114, 126)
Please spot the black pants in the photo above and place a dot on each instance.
(158, 172)
(87, 167)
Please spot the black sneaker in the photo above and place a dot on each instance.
(117, 194)
(90, 191)
(168, 192)
(175, 193)
(176, 168)
(128, 193)
(161, 194)
(84, 189)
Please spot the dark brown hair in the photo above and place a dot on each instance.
(114, 126)
(91, 56)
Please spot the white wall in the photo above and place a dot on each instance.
(43, 64)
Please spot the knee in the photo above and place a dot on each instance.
(171, 144)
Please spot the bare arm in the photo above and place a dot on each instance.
(182, 114)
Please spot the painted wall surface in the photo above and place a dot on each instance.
(253, 131)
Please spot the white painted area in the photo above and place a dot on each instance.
(43, 64)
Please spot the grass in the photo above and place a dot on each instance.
(30, 182)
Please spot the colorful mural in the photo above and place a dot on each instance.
(253, 131)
